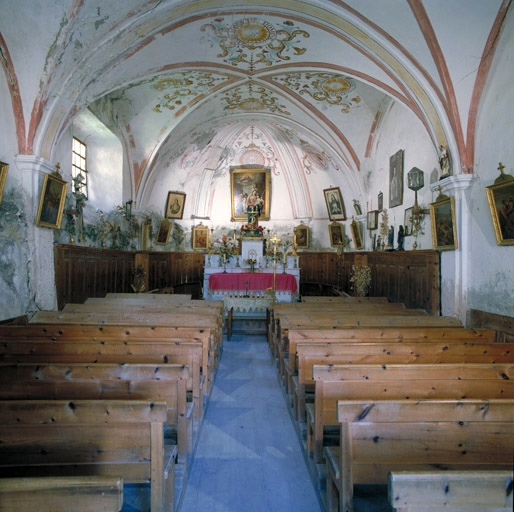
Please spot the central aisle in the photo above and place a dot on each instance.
(248, 457)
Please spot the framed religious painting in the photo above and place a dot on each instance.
(175, 205)
(372, 220)
(200, 237)
(3, 178)
(302, 236)
(380, 199)
(336, 234)
(51, 201)
(335, 204)
(250, 188)
(501, 204)
(355, 228)
(444, 230)
(396, 179)
(163, 233)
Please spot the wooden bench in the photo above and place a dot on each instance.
(398, 381)
(379, 335)
(54, 494)
(430, 352)
(455, 491)
(103, 381)
(355, 321)
(344, 299)
(110, 344)
(378, 437)
(89, 438)
(103, 334)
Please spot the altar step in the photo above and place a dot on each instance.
(249, 325)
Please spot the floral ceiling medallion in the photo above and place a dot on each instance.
(330, 88)
(255, 42)
(181, 87)
(256, 100)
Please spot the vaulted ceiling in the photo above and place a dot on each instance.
(251, 75)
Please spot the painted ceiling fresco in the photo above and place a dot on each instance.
(168, 76)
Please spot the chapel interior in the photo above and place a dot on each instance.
(281, 166)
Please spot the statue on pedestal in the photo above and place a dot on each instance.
(254, 205)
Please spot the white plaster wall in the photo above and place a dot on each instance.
(491, 281)
(401, 129)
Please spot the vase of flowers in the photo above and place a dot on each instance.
(252, 264)
(360, 279)
(138, 279)
(225, 249)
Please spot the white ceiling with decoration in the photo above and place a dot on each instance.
(302, 87)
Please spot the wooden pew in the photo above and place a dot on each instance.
(378, 437)
(355, 321)
(455, 491)
(210, 322)
(55, 494)
(103, 381)
(148, 296)
(405, 352)
(398, 381)
(377, 335)
(101, 333)
(112, 344)
(89, 438)
(342, 299)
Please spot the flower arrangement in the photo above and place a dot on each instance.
(361, 279)
(138, 278)
(251, 262)
(225, 247)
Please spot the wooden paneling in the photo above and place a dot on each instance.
(83, 272)
(502, 324)
(411, 277)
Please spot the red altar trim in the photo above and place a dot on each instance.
(257, 281)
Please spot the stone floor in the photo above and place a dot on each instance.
(248, 456)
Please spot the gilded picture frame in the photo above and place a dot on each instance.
(175, 205)
(51, 202)
(335, 204)
(200, 238)
(501, 204)
(163, 233)
(302, 236)
(245, 183)
(396, 179)
(3, 178)
(355, 228)
(444, 229)
(336, 234)
(372, 220)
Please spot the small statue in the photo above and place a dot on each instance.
(444, 162)
(401, 236)
(390, 239)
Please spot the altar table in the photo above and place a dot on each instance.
(250, 282)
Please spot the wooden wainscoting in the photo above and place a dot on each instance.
(411, 277)
(83, 272)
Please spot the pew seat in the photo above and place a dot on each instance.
(455, 491)
(89, 438)
(54, 494)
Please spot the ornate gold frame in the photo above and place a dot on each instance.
(241, 182)
(51, 201)
(501, 203)
(200, 237)
(444, 229)
(302, 236)
(355, 228)
(3, 178)
(163, 233)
